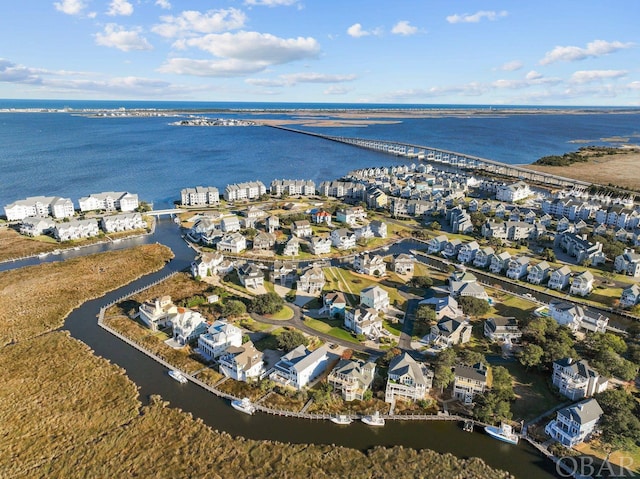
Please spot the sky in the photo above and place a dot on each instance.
(542, 52)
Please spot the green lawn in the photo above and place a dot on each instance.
(393, 328)
(355, 283)
(285, 313)
(270, 341)
(332, 327)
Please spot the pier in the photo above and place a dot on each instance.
(450, 158)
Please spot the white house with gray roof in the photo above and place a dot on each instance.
(36, 226)
(582, 284)
(576, 379)
(300, 366)
(576, 317)
(630, 296)
(575, 424)
(628, 263)
(218, 338)
(76, 229)
(559, 278)
(469, 381)
(122, 222)
(407, 379)
(39, 206)
(352, 378)
(242, 363)
(200, 196)
(244, 191)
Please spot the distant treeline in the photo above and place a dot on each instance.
(583, 154)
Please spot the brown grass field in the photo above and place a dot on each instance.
(36, 299)
(620, 170)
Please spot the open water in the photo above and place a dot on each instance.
(68, 155)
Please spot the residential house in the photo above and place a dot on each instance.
(187, 325)
(379, 228)
(580, 248)
(343, 239)
(473, 205)
(468, 252)
(576, 379)
(206, 264)
(582, 284)
(36, 226)
(272, 223)
(375, 297)
(311, 280)
(445, 306)
(463, 283)
(109, 201)
(218, 338)
(483, 257)
(559, 278)
(301, 229)
(630, 296)
(370, 264)
(244, 191)
(229, 224)
(575, 424)
(576, 317)
(375, 198)
(319, 245)
(320, 217)
(469, 381)
(518, 267)
(363, 320)
(513, 192)
(351, 216)
(283, 272)
(242, 363)
(250, 275)
(502, 329)
(252, 216)
(407, 379)
(200, 196)
(500, 210)
(499, 262)
(232, 243)
(460, 220)
(363, 231)
(76, 229)
(39, 206)
(264, 241)
(563, 225)
(300, 366)
(507, 230)
(404, 264)
(448, 332)
(334, 303)
(352, 378)
(292, 188)
(437, 244)
(122, 222)
(628, 263)
(291, 247)
(539, 273)
(452, 248)
(157, 313)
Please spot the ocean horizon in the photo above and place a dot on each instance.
(71, 155)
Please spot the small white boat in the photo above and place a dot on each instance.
(341, 419)
(56, 251)
(43, 255)
(503, 433)
(243, 405)
(178, 376)
(176, 220)
(373, 420)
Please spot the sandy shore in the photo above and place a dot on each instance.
(620, 170)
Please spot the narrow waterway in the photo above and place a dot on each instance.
(522, 460)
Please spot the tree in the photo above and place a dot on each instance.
(471, 358)
(502, 383)
(425, 314)
(289, 340)
(443, 372)
(477, 219)
(384, 360)
(435, 226)
(620, 421)
(233, 308)
(422, 282)
(473, 306)
(143, 207)
(268, 303)
(531, 355)
(549, 255)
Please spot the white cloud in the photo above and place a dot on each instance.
(120, 7)
(164, 4)
(594, 49)
(70, 7)
(533, 75)
(211, 68)
(336, 90)
(356, 31)
(511, 66)
(192, 22)
(588, 76)
(271, 3)
(118, 37)
(261, 48)
(476, 17)
(317, 78)
(404, 28)
(266, 82)
(634, 85)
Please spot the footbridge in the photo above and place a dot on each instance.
(450, 158)
(174, 211)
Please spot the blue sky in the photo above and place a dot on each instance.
(543, 52)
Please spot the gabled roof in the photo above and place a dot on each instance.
(582, 412)
(405, 365)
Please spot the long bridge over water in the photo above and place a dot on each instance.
(450, 158)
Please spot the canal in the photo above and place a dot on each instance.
(522, 461)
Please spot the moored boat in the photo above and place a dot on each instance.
(178, 376)
(341, 419)
(243, 405)
(373, 420)
(503, 433)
